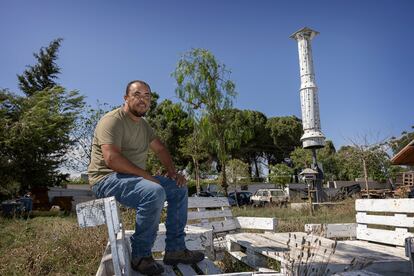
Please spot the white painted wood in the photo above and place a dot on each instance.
(400, 220)
(384, 259)
(91, 213)
(197, 238)
(396, 237)
(401, 205)
(357, 273)
(209, 214)
(259, 223)
(208, 267)
(220, 226)
(210, 202)
(250, 274)
(332, 230)
(186, 269)
(112, 237)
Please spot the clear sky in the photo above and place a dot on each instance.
(363, 56)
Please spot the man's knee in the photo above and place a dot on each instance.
(156, 194)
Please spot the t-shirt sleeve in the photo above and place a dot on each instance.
(109, 131)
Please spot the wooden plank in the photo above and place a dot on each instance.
(357, 273)
(112, 233)
(208, 267)
(259, 223)
(204, 202)
(91, 213)
(332, 230)
(396, 237)
(209, 214)
(196, 239)
(401, 205)
(250, 274)
(400, 220)
(186, 269)
(220, 226)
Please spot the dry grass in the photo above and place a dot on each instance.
(56, 245)
(49, 246)
(290, 220)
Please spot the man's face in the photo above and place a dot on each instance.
(138, 99)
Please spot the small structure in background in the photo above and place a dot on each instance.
(405, 181)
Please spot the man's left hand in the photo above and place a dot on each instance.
(179, 178)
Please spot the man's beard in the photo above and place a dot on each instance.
(138, 114)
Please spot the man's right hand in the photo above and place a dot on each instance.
(153, 179)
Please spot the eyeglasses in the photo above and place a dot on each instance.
(144, 95)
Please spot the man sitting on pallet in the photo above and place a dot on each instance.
(117, 168)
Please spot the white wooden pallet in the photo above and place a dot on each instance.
(285, 247)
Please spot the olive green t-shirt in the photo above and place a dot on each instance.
(117, 128)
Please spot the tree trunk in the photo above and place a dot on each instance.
(364, 164)
(224, 178)
(256, 168)
(197, 175)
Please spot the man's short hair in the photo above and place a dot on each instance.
(136, 81)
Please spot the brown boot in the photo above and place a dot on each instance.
(146, 265)
(185, 257)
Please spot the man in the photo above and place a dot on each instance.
(117, 168)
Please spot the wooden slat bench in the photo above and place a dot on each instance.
(207, 218)
(116, 259)
(384, 227)
(215, 213)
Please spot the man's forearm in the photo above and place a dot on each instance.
(166, 160)
(119, 163)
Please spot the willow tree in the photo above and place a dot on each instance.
(204, 86)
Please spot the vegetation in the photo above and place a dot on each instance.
(57, 246)
(35, 128)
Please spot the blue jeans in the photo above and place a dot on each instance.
(148, 199)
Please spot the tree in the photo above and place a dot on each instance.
(44, 73)
(399, 143)
(35, 135)
(280, 173)
(204, 87)
(195, 147)
(286, 133)
(327, 157)
(79, 155)
(255, 141)
(236, 170)
(371, 155)
(171, 124)
(36, 143)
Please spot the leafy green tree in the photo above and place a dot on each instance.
(280, 173)
(363, 160)
(171, 124)
(194, 146)
(237, 170)
(302, 158)
(399, 143)
(37, 142)
(35, 129)
(44, 73)
(204, 87)
(255, 140)
(286, 133)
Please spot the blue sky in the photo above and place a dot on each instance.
(363, 56)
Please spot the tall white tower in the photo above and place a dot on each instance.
(313, 137)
